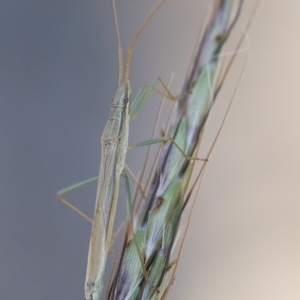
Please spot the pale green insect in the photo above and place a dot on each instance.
(114, 145)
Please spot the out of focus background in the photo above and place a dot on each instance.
(58, 74)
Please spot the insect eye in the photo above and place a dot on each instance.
(125, 100)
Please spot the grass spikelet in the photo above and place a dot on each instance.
(148, 247)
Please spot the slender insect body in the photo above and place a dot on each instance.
(114, 144)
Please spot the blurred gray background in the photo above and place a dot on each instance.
(58, 68)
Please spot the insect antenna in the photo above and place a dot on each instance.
(120, 51)
(124, 76)
(129, 50)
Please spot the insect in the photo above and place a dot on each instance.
(114, 145)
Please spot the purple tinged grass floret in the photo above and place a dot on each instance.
(159, 220)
